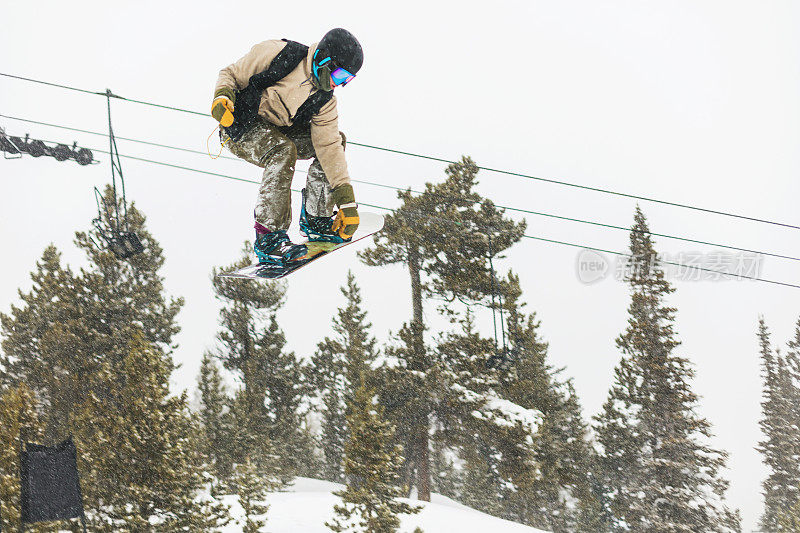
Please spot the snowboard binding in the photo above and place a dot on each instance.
(317, 229)
(276, 248)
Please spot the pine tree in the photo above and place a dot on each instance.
(793, 364)
(789, 520)
(406, 392)
(252, 490)
(792, 386)
(491, 434)
(447, 476)
(473, 423)
(253, 348)
(141, 449)
(215, 418)
(327, 376)
(335, 370)
(90, 345)
(515, 426)
(283, 376)
(483, 482)
(249, 441)
(780, 425)
(445, 237)
(33, 337)
(213, 513)
(465, 384)
(660, 473)
(401, 241)
(553, 485)
(68, 323)
(372, 463)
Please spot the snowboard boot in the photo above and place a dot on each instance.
(276, 248)
(317, 229)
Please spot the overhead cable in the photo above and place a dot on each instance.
(383, 185)
(442, 160)
(553, 241)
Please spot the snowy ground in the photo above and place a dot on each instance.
(308, 504)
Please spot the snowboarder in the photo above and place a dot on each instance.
(276, 105)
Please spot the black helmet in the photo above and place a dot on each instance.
(343, 49)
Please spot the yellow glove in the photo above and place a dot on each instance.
(222, 107)
(346, 221)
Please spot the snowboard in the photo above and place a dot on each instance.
(370, 223)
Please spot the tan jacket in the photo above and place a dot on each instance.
(280, 102)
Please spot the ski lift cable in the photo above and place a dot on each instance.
(394, 187)
(443, 160)
(665, 262)
(621, 254)
(97, 93)
(552, 241)
(225, 176)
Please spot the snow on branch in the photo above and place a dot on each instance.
(498, 411)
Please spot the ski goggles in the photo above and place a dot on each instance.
(339, 76)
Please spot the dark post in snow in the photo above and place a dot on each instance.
(49, 485)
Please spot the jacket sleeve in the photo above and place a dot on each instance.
(236, 76)
(328, 145)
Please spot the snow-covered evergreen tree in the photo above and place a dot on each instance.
(464, 385)
(483, 488)
(95, 347)
(660, 471)
(371, 462)
(447, 473)
(445, 237)
(780, 424)
(790, 519)
(31, 331)
(517, 429)
(250, 442)
(138, 450)
(793, 363)
(335, 371)
(553, 487)
(282, 375)
(215, 419)
(326, 374)
(251, 489)
(89, 313)
(253, 347)
(404, 393)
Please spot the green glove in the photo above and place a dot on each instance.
(222, 107)
(346, 221)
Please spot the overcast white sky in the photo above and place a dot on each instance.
(688, 101)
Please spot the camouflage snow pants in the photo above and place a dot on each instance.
(266, 146)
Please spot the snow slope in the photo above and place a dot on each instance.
(308, 504)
